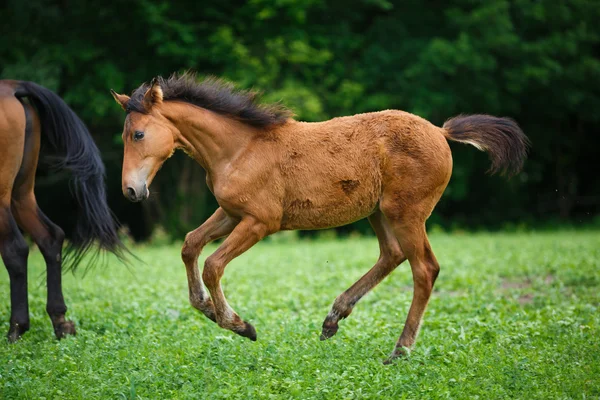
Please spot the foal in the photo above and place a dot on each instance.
(269, 172)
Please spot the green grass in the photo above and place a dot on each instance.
(512, 316)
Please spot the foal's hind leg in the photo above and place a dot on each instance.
(390, 257)
(217, 226)
(49, 238)
(410, 231)
(14, 252)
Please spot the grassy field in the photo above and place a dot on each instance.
(512, 316)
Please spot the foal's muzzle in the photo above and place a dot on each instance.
(137, 195)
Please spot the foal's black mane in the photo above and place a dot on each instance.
(216, 95)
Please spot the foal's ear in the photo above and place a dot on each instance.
(121, 99)
(154, 95)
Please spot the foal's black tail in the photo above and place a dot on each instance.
(501, 138)
(77, 153)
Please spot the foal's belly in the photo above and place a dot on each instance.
(335, 201)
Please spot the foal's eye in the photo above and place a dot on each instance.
(138, 135)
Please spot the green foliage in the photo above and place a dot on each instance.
(535, 61)
(512, 316)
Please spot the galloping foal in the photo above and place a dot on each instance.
(269, 172)
(27, 111)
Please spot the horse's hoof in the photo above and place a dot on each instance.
(15, 332)
(248, 331)
(13, 335)
(400, 352)
(65, 328)
(389, 360)
(329, 329)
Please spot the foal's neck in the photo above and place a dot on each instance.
(211, 139)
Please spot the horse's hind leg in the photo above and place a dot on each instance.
(13, 248)
(409, 227)
(14, 252)
(390, 257)
(49, 238)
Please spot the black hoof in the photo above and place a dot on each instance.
(64, 328)
(398, 353)
(15, 332)
(389, 360)
(329, 329)
(248, 332)
(13, 336)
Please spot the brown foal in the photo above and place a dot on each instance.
(269, 172)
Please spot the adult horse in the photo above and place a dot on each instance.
(269, 172)
(28, 111)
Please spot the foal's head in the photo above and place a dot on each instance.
(149, 139)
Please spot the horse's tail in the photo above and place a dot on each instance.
(501, 138)
(77, 153)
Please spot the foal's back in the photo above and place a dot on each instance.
(335, 172)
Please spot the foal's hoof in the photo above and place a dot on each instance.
(398, 353)
(15, 332)
(248, 331)
(329, 329)
(65, 328)
(389, 360)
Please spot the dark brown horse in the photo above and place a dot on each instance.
(28, 111)
(269, 172)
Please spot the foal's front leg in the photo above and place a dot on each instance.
(245, 235)
(217, 226)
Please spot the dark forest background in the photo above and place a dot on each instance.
(536, 61)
